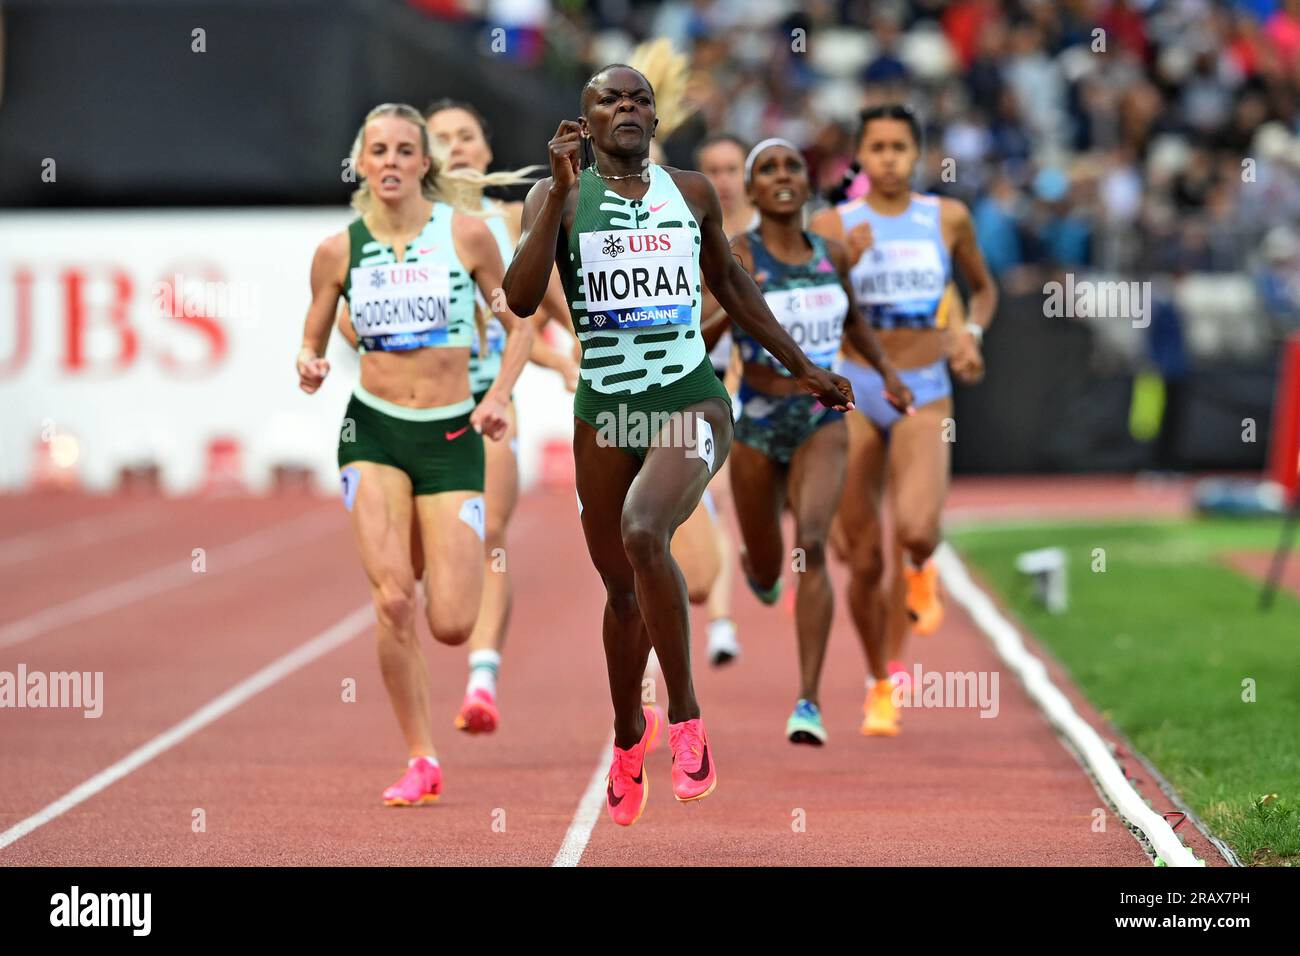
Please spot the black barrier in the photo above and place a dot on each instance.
(1044, 406)
(132, 114)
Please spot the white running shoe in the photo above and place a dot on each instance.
(723, 646)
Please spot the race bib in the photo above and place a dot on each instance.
(635, 278)
(401, 306)
(814, 318)
(898, 270)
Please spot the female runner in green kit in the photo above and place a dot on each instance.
(632, 240)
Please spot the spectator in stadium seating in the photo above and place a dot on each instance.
(997, 227)
(887, 69)
(1277, 279)
(1062, 236)
(1283, 30)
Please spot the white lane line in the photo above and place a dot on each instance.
(340, 633)
(1058, 709)
(79, 533)
(172, 575)
(588, 812)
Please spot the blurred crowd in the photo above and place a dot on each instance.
(1135, 137)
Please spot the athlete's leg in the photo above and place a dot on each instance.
(720, 594)
(859, 517)
(695, 549)
(604, 474)
(663, 494)
(478, 712)
(500, 495)
(759, 489)
(897, 623)
(919, 464)
(816, 480)
(451, 526)
(381, 522)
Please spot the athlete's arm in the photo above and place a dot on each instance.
(557, 360)
(858, 331)
(968, 354)
(555, 308)
(966, 256)
(737, 293)
(530, 270)
(327, 267)
(828, 224)
(477, 249)
(964, 357)
(555, 304)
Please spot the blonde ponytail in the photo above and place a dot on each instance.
(669, 74)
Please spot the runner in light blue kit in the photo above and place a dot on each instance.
(903, 246)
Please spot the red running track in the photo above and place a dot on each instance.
(292, 775)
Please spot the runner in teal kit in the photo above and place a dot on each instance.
(788, 445)
(458, 136)
(457, 127)
(411, 445)
(632, 240)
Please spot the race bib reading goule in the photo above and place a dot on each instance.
(814, 318)
(401, 306)
(638, 277)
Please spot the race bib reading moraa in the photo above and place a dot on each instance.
(635, 278)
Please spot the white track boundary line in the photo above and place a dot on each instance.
(75, 534)
(588, 812)
(1058, 709)
(334, 636)
(172, 575)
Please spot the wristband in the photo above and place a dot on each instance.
(976, 332)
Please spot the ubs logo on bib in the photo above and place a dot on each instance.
(613, 246)
(649, 242)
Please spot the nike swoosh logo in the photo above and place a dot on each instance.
(660, 206)
(609, 788)
(452, 436)
(425, 252)
(704, 767)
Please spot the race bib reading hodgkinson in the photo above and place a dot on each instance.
(401, 306)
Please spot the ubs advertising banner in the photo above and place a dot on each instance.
(146, 336)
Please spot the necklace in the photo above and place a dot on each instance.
(640, 175)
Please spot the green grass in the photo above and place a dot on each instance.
(1162, 642)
